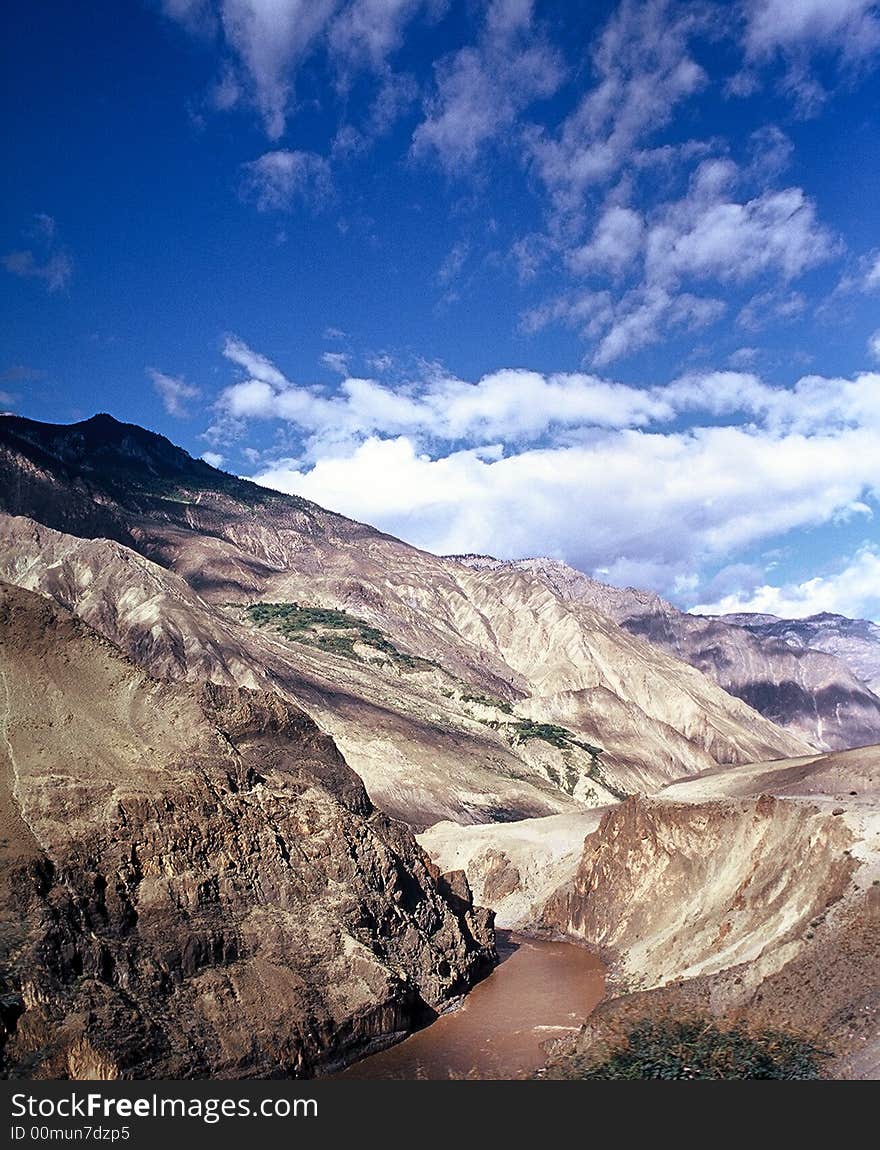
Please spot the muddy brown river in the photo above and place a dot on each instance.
(538, 992)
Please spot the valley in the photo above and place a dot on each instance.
(261, 761)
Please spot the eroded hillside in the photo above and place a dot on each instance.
(471, 664)
(814, 678)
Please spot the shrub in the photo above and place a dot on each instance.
(698, 1049)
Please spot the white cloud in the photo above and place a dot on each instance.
(874, 345)
(174, 392)
(630, 502)
(267, 41)
(277, 179)
(213, 458)
(510, 405)
(852, 590)
(520, 406)
(847, 31)
(849, 25)
(336, 361)
(371, 30)
(481, 89)
(453, 262)
(46, 261)
(643, 69)
(619, 327)
(55, 271)
(615, 244)
(256, 365)
(270, 39)
(757, 461)
(707, 235)
(872, 273)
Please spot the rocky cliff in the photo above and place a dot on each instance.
(194, 882)
(678, 890)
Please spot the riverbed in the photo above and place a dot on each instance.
(539, 991)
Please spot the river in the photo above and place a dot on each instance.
(539, 991)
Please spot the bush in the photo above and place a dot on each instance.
(697, 1049)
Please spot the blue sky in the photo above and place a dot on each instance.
(598, 281)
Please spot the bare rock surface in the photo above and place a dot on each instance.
(194, 882)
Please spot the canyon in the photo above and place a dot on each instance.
(228, 712)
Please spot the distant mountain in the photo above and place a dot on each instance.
(855, 641)
(811, 676)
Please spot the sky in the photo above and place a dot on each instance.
(598, 281)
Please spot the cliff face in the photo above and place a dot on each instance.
(193, 880)
(433, 729)
(677, 890)
(813, 677)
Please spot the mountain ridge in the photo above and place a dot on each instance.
(503, 636)
(813, 692)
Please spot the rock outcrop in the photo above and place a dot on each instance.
(730, 902)
(674, 890)
(194, 882)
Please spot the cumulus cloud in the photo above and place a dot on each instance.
(278, 179)
(213, 458)
(852, 589)
(509, 405)
(499, 464)
(174, 392)
(616, 242)
(707, 236)
(639, 506)
(480, 90)
(517, 406)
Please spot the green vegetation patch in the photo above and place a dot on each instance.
(562, 737)
(697, 1049)
(329, 630)
(487, 701)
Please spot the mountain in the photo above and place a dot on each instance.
(855, 642)
(809, 676)
(194, 882)
(475, 695)
(216, 696)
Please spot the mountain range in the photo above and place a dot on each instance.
(228, 711)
